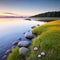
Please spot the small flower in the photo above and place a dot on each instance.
(35, 48)
(39, 56)
(42, 53)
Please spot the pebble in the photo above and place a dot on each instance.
(39, 56)
(35, 48)
(42, 53)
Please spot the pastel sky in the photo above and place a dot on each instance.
(28, 7)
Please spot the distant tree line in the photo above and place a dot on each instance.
(48, 14)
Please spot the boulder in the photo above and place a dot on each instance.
(24, 43)
(29, 35)
(23, 50)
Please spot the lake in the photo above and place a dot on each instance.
(11, 29)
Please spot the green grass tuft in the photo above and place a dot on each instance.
(14, 55)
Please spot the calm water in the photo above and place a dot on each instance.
(11, 30)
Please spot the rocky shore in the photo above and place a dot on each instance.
(23, 45)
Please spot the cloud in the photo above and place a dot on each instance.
(9, 13)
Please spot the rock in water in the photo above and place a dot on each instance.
(4, 57)
(23, 50)
(19, 39)
(15, 43)
(33, 27)
(24, 43)
(8, 51)
(29, 35)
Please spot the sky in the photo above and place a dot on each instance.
(28, 7)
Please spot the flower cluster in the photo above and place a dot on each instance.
(41, 54)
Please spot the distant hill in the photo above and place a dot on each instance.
(48, 14)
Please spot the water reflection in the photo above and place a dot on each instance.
(11, 30)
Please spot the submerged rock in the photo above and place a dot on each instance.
(13, 47)
(23, 50)
(38, 24)
(33, 27)
(29, 35)
(24, 43)
(4, 57)
(15, 43)
(28, 30)
(19, 38)
(24, 33)
(8, 51)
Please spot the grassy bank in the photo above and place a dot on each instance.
(47, 40)
(14, 55)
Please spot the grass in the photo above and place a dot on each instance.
(45, 27)
(47, 40)
(14, 55)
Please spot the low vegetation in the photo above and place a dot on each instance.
(14, 55)
(47, 40)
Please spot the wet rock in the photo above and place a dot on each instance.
(33, 27)
(8, 51)
(38, 24)
(15, 43)
(4, 57)
(29, 35)
(28, 30)
(24, 43)
(19, 38)
(24, 33)
(13, 47)
(23, 50)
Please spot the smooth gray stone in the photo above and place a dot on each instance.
(29, 35)
(24, 43)
(4, 57)
(23, 50)
(15, 43)
(8, 51)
